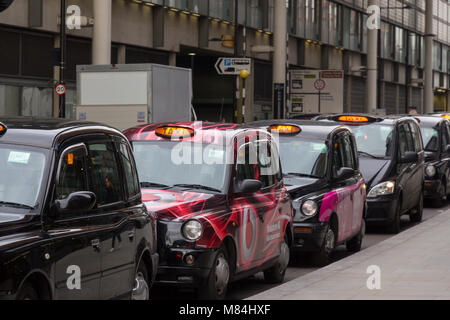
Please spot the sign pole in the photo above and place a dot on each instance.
(62, 65)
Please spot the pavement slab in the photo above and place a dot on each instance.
(414, 265)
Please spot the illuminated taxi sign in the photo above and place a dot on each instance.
(446, 116)
(2, 129)
(284, 129)
(172, 132)
(353, 119)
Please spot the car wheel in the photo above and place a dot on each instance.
(141, 289)
(216, 285)
(354, 244)
(394, 227)
(276, 273)
(28, 293)
(440, 202)
(418, 211)
(322, 258)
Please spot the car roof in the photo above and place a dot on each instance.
(311, 128)
(44, 133)
(209, 131)
(428, 120)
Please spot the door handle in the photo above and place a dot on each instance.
(96, 244)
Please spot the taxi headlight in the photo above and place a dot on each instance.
(192, 230)
(430, 171)
(309, 208)
(382, 189)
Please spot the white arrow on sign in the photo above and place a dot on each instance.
(233, 66)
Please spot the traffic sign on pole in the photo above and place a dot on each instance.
(233, 66)
(60, 89)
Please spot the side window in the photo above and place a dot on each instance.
(409, 138)
(245, 170)
(402, 140)
(348, 152)
(338, 157)
(268, 166)
(417, 139)
(132, 184)
(444, 137)
(71, 172)
(104, 172)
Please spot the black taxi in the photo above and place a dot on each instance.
(436, 140)
(321, 172)
(391, 158)
(72, 223)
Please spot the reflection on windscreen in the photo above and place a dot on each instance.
(21, 174)
(303, 157)
(430, 138)
(163, 163)
(374, 139)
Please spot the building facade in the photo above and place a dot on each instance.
(323, 34)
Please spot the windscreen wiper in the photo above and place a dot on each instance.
(302, 175)
(154, 185)
(14, 204)
(196, 186)
(369, 155)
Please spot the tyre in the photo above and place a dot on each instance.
(322, 257)
(418, 211)
(27, 293)
(276, 273)
(394, 227)
(141, 289)
(354, 244)
(440, 202)
(216, 285)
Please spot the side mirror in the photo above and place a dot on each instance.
(447, 149)
(409, 157)
(345, 173)
(248, 186)
(75, 203)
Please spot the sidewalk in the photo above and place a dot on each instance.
(414, 265)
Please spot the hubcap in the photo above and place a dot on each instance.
(329, 241)
(284, 257)
(141, 290)
(222, 274)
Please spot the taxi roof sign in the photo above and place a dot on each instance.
(285, 128)
(446, 116)
(174, 132)
(350, 118)
(3, 129)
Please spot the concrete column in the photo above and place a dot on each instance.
(173, 59)
(428, 76)
(122, 54)
(101, 38)
(55, 113)
(279, 56)
(372, 64)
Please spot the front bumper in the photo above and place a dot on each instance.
(381, 210)
(431, 189)
(174, 270)
(312, 241)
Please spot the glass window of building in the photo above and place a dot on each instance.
(224, 9)
(254, 14)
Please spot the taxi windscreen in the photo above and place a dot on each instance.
(21, 174)
(164, 164)
(303, 157)
(374, 140)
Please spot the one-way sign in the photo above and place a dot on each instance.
(233, 66)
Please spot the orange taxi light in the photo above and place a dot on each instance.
(446, 116)
(174, 132)
(70, 159)
(284, 129)
(2, 129)
(302, 230)
(353, 119)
